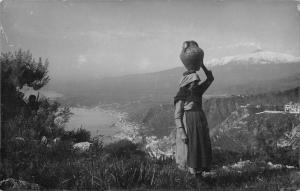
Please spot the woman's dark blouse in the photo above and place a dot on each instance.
(188, 99)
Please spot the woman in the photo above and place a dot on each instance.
(193, 146)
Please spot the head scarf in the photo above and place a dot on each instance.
(189, 78)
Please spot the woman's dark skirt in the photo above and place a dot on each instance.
(199, 154)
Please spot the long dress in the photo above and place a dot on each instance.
(197, 152)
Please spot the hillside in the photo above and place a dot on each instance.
(158, 118)
(249, 75)
(244, 131)
(237, 124)
(217, 109)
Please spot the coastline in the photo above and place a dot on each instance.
(108, 123)
(115, 126)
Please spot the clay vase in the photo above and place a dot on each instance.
(191, 56)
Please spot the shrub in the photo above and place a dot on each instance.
(123, 149)
(78, 135)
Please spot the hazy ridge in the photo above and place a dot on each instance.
(230, 79)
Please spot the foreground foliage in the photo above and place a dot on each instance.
(125, 167)
(38, 149)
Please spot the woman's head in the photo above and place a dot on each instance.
(191, 55)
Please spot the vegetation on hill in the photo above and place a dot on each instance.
(159, 120)
(234, 124)
(29, 119)
(38, 149)
(123, 165)
(269, 136)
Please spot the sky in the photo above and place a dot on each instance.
(94, 39)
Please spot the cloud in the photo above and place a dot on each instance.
(245, 44)
(81, 60)
(144, 64)
(239, 45)
(114, 34)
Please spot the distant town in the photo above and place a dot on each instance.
(293, 108)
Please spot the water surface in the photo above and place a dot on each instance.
(98, 121)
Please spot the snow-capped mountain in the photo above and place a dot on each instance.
(260, 57)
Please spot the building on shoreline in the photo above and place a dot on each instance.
(292, 108)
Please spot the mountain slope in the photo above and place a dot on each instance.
(244, 77)
(218, 109)
(265, 132)
(159, 119)
(236, 123)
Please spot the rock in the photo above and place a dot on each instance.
(44, 140)
(56, 140)
(294, 182)
(295, 179)
(19, 139)
(274, 166)
(18, 142)
(241, 164)
(13, 184)
(82, 146)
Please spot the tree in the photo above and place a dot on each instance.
(17, 70)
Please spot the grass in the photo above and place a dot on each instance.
(120, 167)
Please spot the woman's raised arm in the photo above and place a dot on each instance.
(209, 79)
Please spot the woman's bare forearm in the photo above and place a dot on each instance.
(179, 114)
